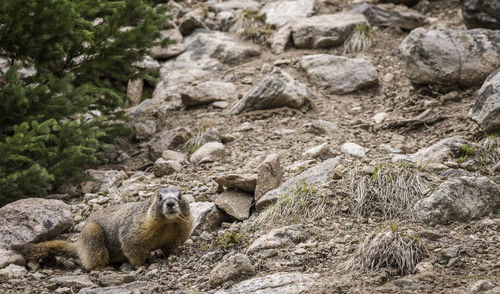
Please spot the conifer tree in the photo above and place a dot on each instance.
(59, 59)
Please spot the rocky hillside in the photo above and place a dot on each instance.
(325, 146)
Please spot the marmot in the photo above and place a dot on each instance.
(124, 232)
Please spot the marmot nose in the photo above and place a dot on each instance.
(170, 204)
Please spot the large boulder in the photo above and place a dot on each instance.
(389, 15)
(338, 74)
(171, 49)
(481, 14)
(283, 283)
(325, 31)
(219, 6)
(279, 13)
(315, 175)
(487, 107)
(459, 199)
(276, 90)
(32, 220)
(208, 92)
(243, 182)
(210, 152)
(450, 57)
(206, 53)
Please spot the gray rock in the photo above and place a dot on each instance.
(245, 183)
(172, 49)
(481, 14)
(481, 286)
(326, 30)
(10, 257)
(455, 173)
(138, 287)
(206, 216)
(270, 176)
(441, 151)
(235, 203)
(79, 281)
(210, 135)
(134, 90)
(113, 279)
(338, 74)
(147, 63)
(145, 129)
(459, 199)
(276, 90)
(208, 92)
(404, 2)
(450, 57)
(486, 110)
(33, 219)
(190, 22)
(279, 13)
(104, 180)
(234, 268)
(278, 238)
(321, 151)
(353, 149)
(210, 152)
(174, 155)
(401, 158)
(168, 139)
(389, 15)
(283, 283)
(315, 175)
(322, 127)
(206, 53)
(219, 6)
(280, 39)
(12, 272)
(164, 167)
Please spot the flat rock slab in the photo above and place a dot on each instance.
(450, 57)
(279, 13)
(33, 219)
(138, 287)
(338, 74)
(459, 199)
(445, 149)
(206, 216)
(315, 175)
(208, 92)
(234, 268)
(325, 31)
(390, 15)
(235, 203)
(78, 281)
(245, 183)
(276, 90)
(481, 14)
(278, 238)
(283, 283)
(486, 110)
(209, 152)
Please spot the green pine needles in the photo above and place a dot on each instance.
(61, 59)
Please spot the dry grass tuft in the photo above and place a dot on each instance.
(360, 39)
(250, 25)
(390, 248)
(304, 204)
(390, 191)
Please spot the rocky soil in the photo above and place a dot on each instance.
(326, 146)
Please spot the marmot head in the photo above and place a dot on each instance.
(170, 204)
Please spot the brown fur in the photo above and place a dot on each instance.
(125, 232)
